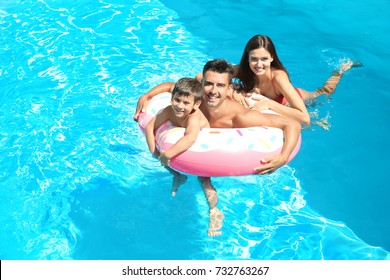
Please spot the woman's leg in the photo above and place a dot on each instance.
(330, 85)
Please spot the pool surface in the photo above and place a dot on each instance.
(76, 178)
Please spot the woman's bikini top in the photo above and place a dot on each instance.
(280, 98)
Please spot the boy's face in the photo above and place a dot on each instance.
(183, 105)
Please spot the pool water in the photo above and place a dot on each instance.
(77, 180)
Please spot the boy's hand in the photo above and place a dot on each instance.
(163, 159)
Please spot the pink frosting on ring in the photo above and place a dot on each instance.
(217, 152)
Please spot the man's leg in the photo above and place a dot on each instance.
(215, 215)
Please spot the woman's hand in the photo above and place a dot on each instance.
(258, 102)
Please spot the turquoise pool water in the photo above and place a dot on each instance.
(77, 181)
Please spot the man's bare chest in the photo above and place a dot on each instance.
(222, 122)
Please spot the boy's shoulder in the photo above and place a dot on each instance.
(195, 115)
(199, 117)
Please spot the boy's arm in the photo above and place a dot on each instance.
(154, 123)
(144, 99)
(184, 143)
(291, 130)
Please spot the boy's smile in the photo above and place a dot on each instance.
(182, 105)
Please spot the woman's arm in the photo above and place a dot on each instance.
(297, 109)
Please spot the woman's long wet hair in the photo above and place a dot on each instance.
(244, 73)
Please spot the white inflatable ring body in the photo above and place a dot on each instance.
(217, 151)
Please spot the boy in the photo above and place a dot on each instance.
(183, 112)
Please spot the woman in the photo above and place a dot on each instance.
(261, 74)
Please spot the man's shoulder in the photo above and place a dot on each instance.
(247, 117)
(235, 107)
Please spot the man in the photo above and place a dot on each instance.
(222, 112)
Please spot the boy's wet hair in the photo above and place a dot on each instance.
(220, 66)
(188, 87)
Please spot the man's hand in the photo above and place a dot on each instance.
(143, 102)
(270, 164)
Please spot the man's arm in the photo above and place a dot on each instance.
(144, 99)
(291, 130)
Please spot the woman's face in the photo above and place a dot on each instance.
(259, 61)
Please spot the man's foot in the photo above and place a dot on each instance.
(178, 180)
(215, 223)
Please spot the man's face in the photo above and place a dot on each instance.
(215, 88)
